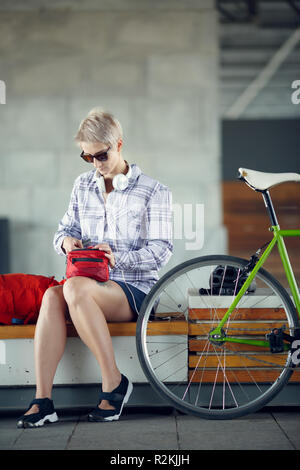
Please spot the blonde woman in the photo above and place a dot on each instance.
(117, 208)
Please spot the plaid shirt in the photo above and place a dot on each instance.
(135, 222)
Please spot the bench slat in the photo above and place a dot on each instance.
(27, 331)
(176, 327)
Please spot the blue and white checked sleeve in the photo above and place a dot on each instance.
(69, 226)
(159, 244)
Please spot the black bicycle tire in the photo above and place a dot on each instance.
(185, 408)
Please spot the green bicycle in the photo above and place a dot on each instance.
(223, 340)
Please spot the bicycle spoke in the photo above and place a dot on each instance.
(193, 373)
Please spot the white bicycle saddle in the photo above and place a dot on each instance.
(263, 181)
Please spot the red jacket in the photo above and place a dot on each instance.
(21, 296)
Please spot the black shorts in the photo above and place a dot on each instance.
(135, 293)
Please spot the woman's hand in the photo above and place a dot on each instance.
(108, 253)
(70, 244)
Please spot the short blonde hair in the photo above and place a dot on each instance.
(99, 126)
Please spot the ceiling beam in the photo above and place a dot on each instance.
(248, 95)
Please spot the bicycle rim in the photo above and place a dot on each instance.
(197, 375)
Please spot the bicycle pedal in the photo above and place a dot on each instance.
(276, 340)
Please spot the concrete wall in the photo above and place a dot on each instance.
(153, 64)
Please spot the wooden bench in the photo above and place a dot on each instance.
(78, 366)
(27, 331)
(116, 329)
(196, 330)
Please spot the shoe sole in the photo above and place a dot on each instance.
(47, 419)
(115, 417)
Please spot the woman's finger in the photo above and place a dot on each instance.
(109, 254)
(111, 259)
(77, 243)
(104, 247)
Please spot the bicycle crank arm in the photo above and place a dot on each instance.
(274, 341)
(217, 338)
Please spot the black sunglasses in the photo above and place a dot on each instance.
(100, 156)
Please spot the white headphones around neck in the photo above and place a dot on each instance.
(119, 182)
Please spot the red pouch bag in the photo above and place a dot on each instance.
(88, 262)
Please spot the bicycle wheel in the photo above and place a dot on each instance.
(193, 373)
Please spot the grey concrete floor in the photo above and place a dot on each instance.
(157, 429)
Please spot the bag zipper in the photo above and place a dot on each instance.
(85, 249)
(74, 260)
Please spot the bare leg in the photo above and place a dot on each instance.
(91, 305)
(49, 341)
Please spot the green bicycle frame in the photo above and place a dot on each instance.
(278, 235)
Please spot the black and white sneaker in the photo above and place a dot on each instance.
(46, 414)
(117, 398)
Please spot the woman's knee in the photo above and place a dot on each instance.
(74, 290)
(53, 295)
(53, 301)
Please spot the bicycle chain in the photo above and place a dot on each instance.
(259, 330)
(263, 361)
(256, 359)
